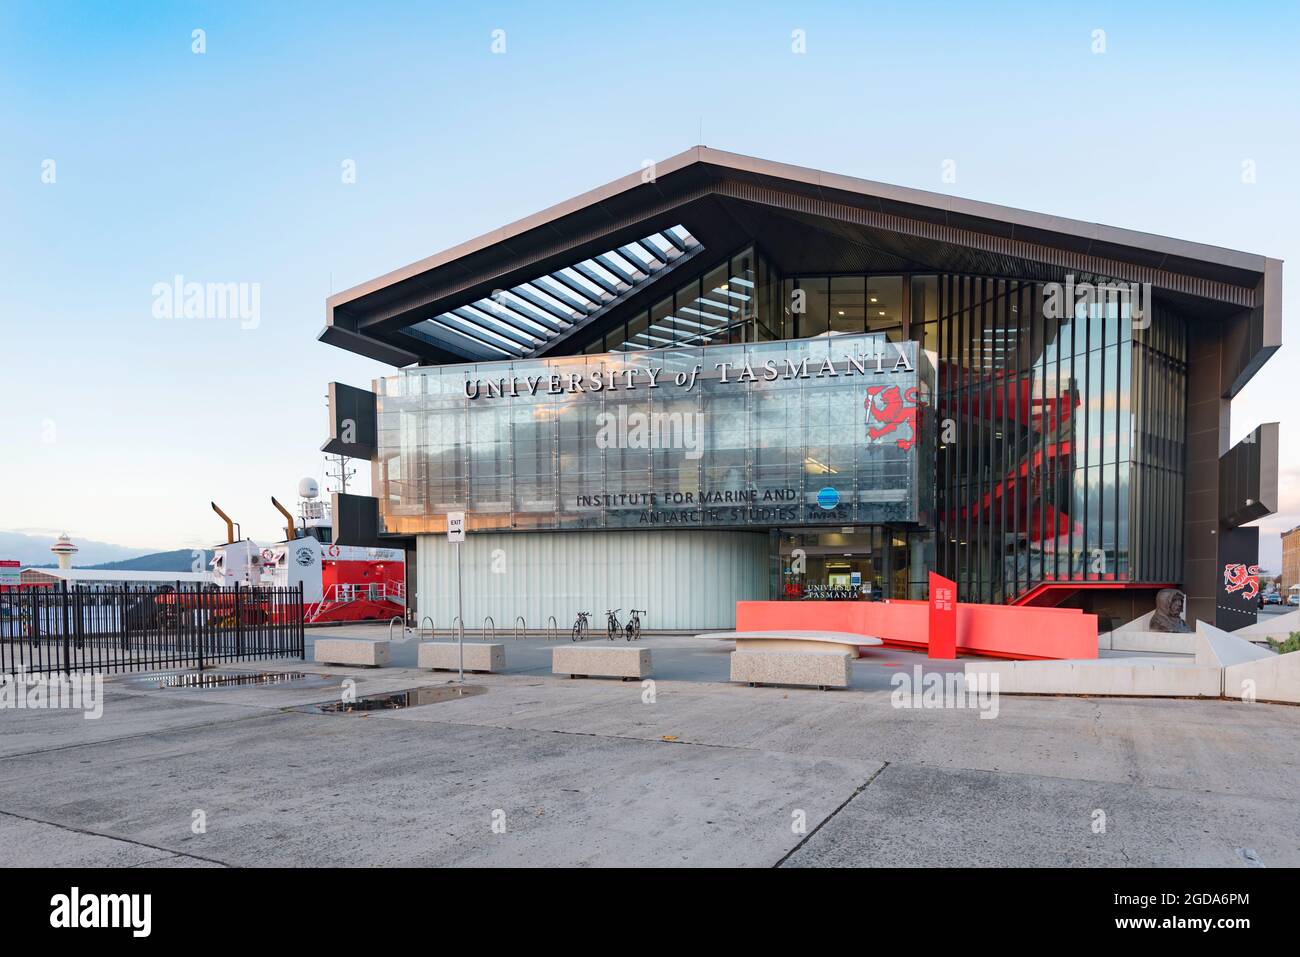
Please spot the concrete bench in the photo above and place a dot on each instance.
(603, 661)
(351, 651)
(817, 669)
(445, 656)
(1145, 677)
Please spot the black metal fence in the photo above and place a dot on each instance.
(122, 628)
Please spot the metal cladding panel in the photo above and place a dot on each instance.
(353, 429)
(686, 580)
(356, 520)
(1248, 477)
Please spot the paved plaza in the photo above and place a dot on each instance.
(542, 770)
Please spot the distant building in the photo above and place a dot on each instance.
(1290, 559)
(64, 550)
(98, 577)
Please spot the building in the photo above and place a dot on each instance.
(97, 578)
(63, 550)
(723, 378)
(1290, 561)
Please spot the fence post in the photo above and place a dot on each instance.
(67, 650)
(302, 627)
(239, 625)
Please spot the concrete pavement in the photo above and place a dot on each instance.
(541, 770)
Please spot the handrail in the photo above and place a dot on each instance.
(490, 628)
(433, 631)
(390, 626)
(458, 627)
(552, 629)
(519, 619)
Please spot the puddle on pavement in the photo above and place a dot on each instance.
(413, 698)
(206, 680)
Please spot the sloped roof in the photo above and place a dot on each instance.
(803, 218)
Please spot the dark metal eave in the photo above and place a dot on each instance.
(724, 194)
(367, 346)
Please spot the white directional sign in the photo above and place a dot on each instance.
(455, 527)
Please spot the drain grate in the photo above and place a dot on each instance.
(413, 698)
(204, 680)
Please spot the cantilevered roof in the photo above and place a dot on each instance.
(531, 287)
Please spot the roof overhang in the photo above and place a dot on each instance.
(436, 310)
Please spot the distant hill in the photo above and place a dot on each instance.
(34, 550)
(180, 560)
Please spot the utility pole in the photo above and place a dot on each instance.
(341, 472)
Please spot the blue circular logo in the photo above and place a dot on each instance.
(828, 498)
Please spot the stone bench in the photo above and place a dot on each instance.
(445, 656)
(351, 651)
(1143, 677)
(817, 669)
(603, 661)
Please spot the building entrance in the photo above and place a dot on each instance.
(863, 563)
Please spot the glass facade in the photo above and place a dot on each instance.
(1038, 446)
(1059, 450)
(798, 432)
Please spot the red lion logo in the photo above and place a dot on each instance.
(1241, 578)
(892, 407)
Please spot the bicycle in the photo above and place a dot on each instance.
(632, 631)
(580, 627)
(612, 627)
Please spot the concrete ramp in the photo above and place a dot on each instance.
(1277, 627)
(1136, 635)
(1222, 649)
(1140, 623)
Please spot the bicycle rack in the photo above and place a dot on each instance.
(490, 628)
(552, 629)
(518, 621)
(390, 626)
(433, 631)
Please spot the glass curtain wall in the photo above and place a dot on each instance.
(734, 301)
(1044, 453)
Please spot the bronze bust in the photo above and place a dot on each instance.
(1168, 616)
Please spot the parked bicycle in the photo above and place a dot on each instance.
(612, 627)
(580, 626)
(632, 631)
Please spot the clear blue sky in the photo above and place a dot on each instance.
(226, 166)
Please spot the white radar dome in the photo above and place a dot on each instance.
(308, 488)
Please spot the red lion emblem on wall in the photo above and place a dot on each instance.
(892, 407)
(1241, 578)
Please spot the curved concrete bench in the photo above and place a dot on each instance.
(794, 640)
